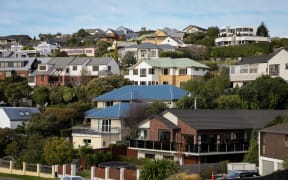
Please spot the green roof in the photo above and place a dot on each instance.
(174, 62)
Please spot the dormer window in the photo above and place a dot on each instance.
(42, 68)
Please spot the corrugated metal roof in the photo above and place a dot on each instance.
(99, 61)
(174, 62)
(227, 119)
(79, 60)
(118, 111)
(143, 93)
(20, 113)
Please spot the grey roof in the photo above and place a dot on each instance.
(173, 32)
(20, 113)
(79, 60)
(99, 61)
(258, 59)
(278, 129)
(166, 47)
(227, 119)
(27, 62)
(56, 63)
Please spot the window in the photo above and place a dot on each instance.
(143, 72)
(88, 51)
(8, 74)
(74, 68)
(95, 68)
(274, 69)
(105, 125)
(151, 71)
(164, 135)
(150, 156)
(232, 70)
(153, 53)
(142, 82)
(135, 71)
(87, 141)
(244, 69)
(109, 103)
(253, 68)
(67, 70)
(109, 68)
(42, 67)
(165, 82)
(182, 71)
(168, 157)
(166, 71)
(142, 53)
(286, 66)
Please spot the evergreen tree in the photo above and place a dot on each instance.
(262, 30)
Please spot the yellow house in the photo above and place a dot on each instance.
(157, 38)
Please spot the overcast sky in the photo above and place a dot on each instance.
(67, 16)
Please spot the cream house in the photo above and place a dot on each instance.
(166, 71)
(250, 68)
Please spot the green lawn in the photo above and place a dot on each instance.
(25, 177)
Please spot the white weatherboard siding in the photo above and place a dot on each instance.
(282, 59)
(4, 120)
(269, 165)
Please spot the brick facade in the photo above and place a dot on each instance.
(274, 145)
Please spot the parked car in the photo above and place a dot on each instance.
(72, 178)
(239, 174)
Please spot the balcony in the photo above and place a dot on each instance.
(95, 131)
(196, 149)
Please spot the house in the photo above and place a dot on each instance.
(14, 40)
(11, 117)
(168, 94)
(199, 136)
(110, 35)
(194, 29)
(76, 51)
(107, 126)
(109, 121)
(166, 71)
(273, 146)
(94, 31)
(231, 36)
(128, 33)
(66, 71)
(17, 66)
(156, 38)
(46, 49)
(250, 68)
(177, 43)
(146, 50)
(174, 33)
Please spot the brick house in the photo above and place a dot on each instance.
(199, 136)
(273, 146)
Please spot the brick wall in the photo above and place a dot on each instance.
(155, 125)
(114, 173)
(130, 174)
(100, 172)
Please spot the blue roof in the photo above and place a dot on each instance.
(143, 93)
(117, 111)
(20, 113)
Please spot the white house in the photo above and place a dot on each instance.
(250, 68)
(230, 36)
(11, 117)
(166, 71)
(45, 48)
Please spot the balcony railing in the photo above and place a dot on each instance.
(95, 131)
(189, 148)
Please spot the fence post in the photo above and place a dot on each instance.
(24, 168)
(122, 173)
(64, 170)
(73, 169)
(38, 169)
(107, 173)
(138, 174)
(11, 166)
(53, 171)
(92, 172)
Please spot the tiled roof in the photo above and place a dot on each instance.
(174, 62)
(118, 111)
(278, 129)
(227, 119)
(143, 93)
(20, 113)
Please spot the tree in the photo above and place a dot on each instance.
(59, 53)
(56, 95)
(34, 151)
(158, 169)
(68, 94)
(57, 151)
(128, 59)
(212, 31)
(252, 155)
(262, 30)
(156, 108)
(82, 33)
(115, 53)
(41, 95)
(102, 48)
(228, 102)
